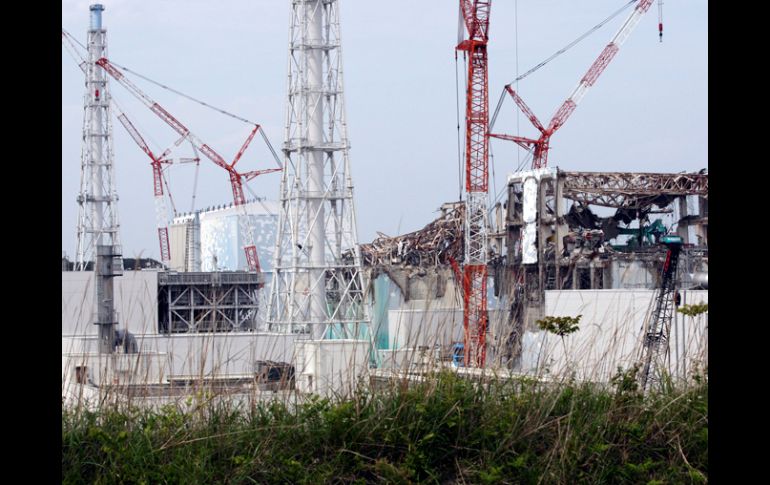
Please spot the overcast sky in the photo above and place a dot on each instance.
(647, 112)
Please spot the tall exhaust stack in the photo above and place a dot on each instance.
(317, 285)
(97, 215)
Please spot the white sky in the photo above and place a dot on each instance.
(647, 112)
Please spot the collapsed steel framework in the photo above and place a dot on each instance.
(631, 189)
(550, 248)
(570, 249)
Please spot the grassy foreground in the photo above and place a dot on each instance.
(446, 431)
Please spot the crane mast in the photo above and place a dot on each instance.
(474, 274)
(542, 144)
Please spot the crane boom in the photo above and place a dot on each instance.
(236, 178)
(542, 144)
(161, 212)
(156, 161)
(474, 281)
(599, 65)
(161, 112)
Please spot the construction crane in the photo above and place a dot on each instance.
(541, 145)
(236, 178)
(656, 339)
(475, 14)
(161, 211)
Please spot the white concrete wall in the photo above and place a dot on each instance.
(136, 301)
(188, 354)
(330, 367)
(610, 334)
(178, 246)
(203, 355)
(411, 328)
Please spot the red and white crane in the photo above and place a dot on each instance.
(542, 144)
(236, 178)
(161, 211)
(475, 14)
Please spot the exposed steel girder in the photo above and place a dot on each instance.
(630, 189)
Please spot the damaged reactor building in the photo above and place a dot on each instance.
(561, 243)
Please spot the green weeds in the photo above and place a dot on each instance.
(447, 430)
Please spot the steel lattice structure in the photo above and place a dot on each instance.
(656, 339)
(631, 189)
(474, 274)
(236, 178)
(317, 281)
(97, 199)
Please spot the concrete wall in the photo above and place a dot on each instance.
(413, 327)
(631, 274)
(178, 246)
(203, 355)
(136, 304)
(136, 301)
(330, 367)
(437, 320)
(610, 334)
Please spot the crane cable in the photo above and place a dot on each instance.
(202, 103)
(460, 154)
(574, 42)
(516, 32)
(459, 142)
(518, 153)
(557, 54)
(660, 19)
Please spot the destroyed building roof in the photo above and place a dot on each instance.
(429, 246)
(632, 189)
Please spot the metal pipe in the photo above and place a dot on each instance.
(316, 222)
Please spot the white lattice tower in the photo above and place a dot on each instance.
(317, 280)
(97, 199)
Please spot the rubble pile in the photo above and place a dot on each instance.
(430, 246)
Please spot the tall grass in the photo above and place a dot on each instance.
(443, 430)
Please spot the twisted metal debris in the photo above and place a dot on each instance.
(430, 246)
